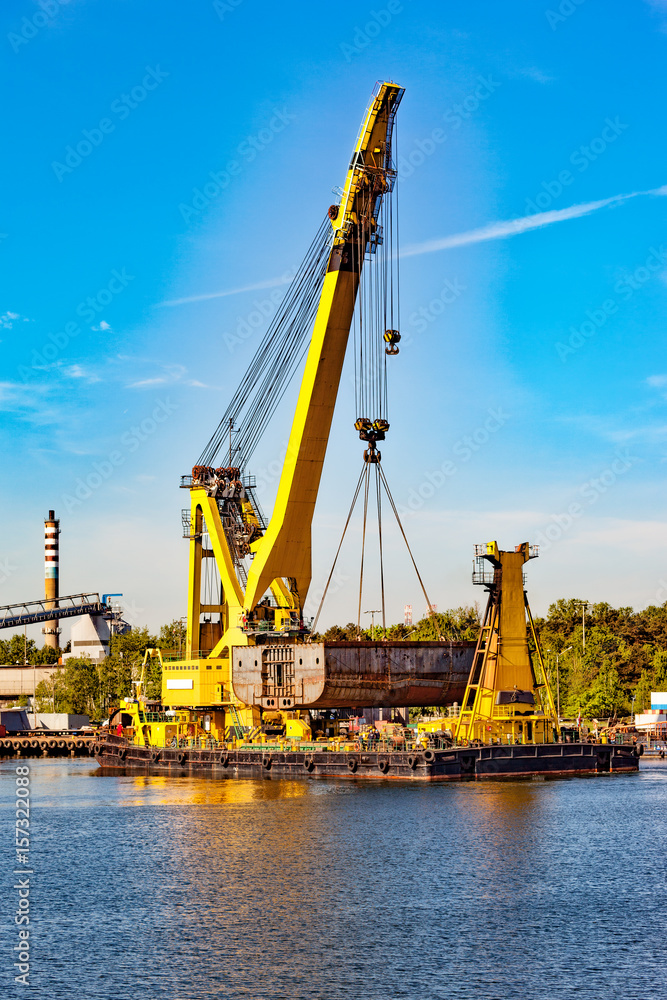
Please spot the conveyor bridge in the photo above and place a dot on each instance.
(33, 612)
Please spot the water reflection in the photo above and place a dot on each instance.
(139, 790)
(317, 890)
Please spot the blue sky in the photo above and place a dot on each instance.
(528, 400)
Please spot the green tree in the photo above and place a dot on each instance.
(334, 634)
(81, 686)
(172, 636)
(123, 665)
(459, 624)
(659, 670)
(46, 655)
(399, 632)
(153, 679)
(51, 695)
(16, 650)
(596, 684)
(606, 696)
(642, 691)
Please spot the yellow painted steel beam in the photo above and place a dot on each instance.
(228, 578)
(194, 581)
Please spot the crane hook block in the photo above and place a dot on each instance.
(392, 338)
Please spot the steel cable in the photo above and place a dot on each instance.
(342, 538)
(276, 359)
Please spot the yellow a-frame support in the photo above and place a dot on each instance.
(282, 554)
(508, 698)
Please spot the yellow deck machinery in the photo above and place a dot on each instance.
(508, 698)
(247, 576)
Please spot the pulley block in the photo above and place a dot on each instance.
(392, 338)
(365, 428)
(371, 430)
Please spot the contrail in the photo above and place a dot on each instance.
(494, 231)
(269, 283)
(512, 227)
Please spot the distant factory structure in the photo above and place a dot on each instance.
(91, 635)
(51, 576)
(97, 619)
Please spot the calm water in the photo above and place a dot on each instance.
(316, 890)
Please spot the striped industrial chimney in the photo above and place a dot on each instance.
(51, 576)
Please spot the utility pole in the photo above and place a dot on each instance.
(585, 606)
(373, 613)
(34, 676)
(558, 656)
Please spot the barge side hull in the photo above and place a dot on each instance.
(458, 764)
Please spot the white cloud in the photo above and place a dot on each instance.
(169, 375)
(7, 391)
(28, 402)
(513, 227)
(103, 325)
(77, 371)
(533, 73)
(657, 381)
(258, 286)
(146, 382)
(7, 320)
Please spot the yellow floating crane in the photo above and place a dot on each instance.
(224, 524)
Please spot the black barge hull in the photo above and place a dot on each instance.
(547, 760)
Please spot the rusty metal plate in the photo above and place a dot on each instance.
(351, 674)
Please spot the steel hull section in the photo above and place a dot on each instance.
(351, 674)
(459, 764)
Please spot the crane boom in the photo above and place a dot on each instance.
(285, 548)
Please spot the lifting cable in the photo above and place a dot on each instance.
(276, 359)
(380, 482)
(407, 544)
(363, 543)
(378, 493)
(340, 544)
